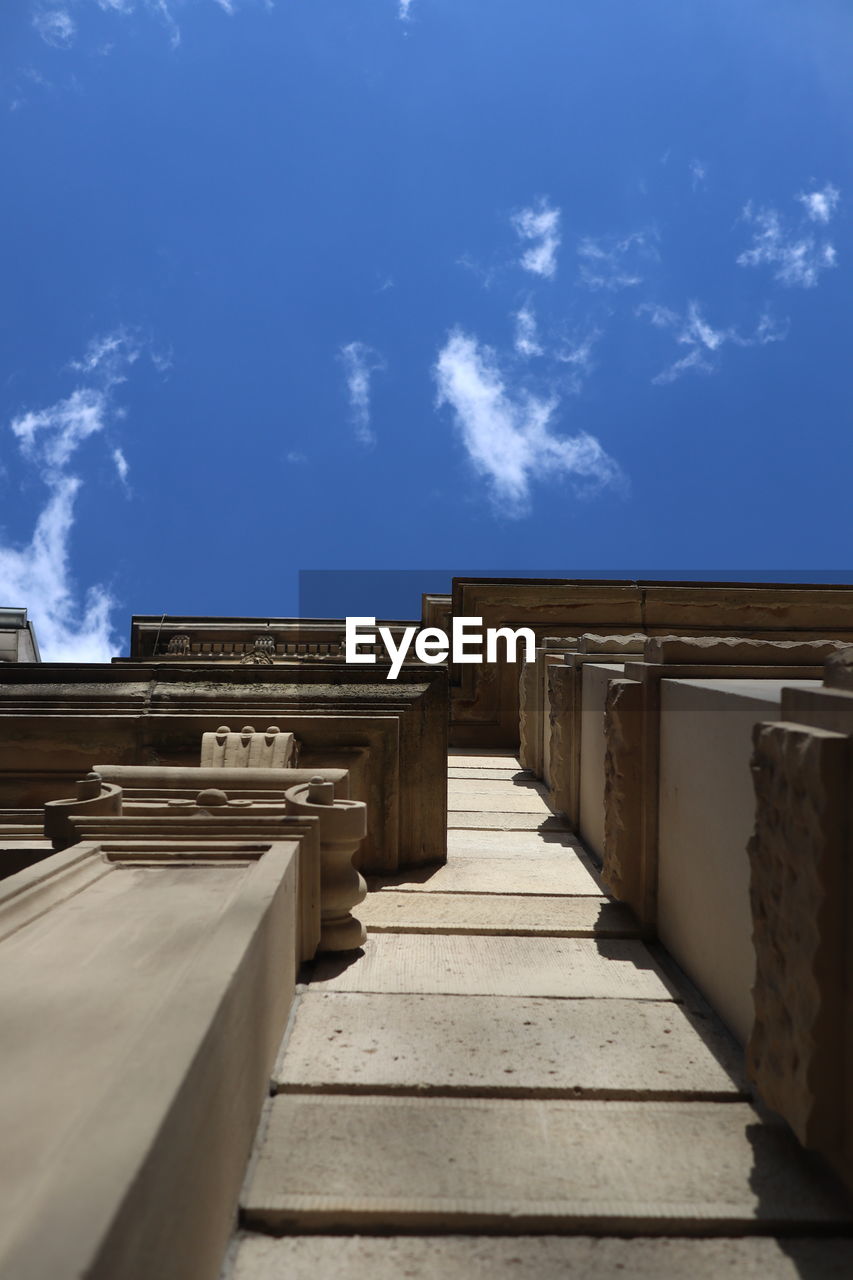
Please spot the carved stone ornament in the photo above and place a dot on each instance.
(343, 826)
(262, 652)
(178, 646)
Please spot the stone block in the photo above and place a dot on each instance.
(523, 1165)
(506, 1046)
(486, 820)
(144, 991)
(799, 1050)
(473, 843)
(521, 875)
(473, 913)
(610, 969)
(539, 1258)
(497, 797)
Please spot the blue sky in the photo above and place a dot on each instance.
(348, 284)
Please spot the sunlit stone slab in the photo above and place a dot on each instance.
(538, 1258)
(477, 760)
(495, 913)
(464, 1164)
(495, 966)
(487, 775)
(471, 842)
(558, 874)
(506, 797)
(505, 1045)
(487, 820)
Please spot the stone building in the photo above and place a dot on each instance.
(591, 1018)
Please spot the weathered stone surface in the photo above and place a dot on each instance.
(596, 680)
(526, 1165)
(525, 874)
(838, 669)
(459, 965)
(495, 913)
(738, 649)
(630, 643)
(505, 1045)
(527, 714)
(561, 698)
(622, 870)
(538, 1258)
(797, 854)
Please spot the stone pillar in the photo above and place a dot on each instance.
(527, 715)
(343, 824)
(561, 701)
(623, 869)
(799, 1054)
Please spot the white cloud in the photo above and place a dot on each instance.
(360, 361)
(508, 437)
(702, 340)
(820, 205)
(50, 436)
(121, 464)
(403, 11)
(110, 356)
(119, 6)
(526, 334)
(541, 226)
(56, 27)
(799, 260)
(37, 575)
(698, 173)
(608, 262)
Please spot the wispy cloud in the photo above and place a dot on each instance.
(797, 256)
(613, 262)
(404, 10)
(577, 355)
(698, 174)
(702, 340)
(37, 575)
(526, 333)
(360, 361)
(540, 226)
(820, 205)
(508, 436)
(56, 27)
